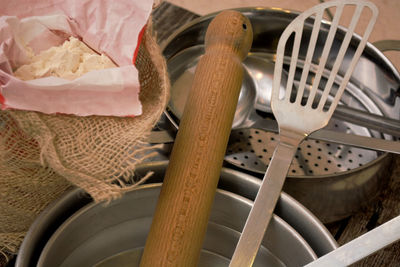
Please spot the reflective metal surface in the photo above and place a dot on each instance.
(374, 74)
(46, 223)
(299, 218)
(247, 186)
(301, 110)
(256, 92)
(255, 96)
(362, 246)
(374, 87)
(98, 231)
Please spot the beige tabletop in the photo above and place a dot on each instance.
(387, 26)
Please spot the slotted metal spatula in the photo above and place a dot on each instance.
(301, 112)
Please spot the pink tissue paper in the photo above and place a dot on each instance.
(112, 28)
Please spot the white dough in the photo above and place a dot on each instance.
(70, 60)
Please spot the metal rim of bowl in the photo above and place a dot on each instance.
(311, 229)
(148, 192)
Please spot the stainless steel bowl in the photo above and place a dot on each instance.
(98, 232)
(333, 181)
(297, 224)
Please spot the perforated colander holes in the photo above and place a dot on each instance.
(256, 150)
(247, 161)
(252, 149)
(350, 157)
(307, 160)
(262, 143)
(312, 159)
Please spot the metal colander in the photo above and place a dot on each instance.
(327, 178)
(252, 149)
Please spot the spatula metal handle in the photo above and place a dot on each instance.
(264, 204)
(190, 182)
(362, 246)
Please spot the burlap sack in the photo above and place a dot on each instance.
(42, 155)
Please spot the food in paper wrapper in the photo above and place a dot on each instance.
(41, 154)
(70, 60)
(111, 30)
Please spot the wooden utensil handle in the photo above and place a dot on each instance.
(190, 182)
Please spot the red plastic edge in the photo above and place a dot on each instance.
(141, 33)
(2, 100)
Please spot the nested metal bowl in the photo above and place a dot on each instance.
(332, 180)
(113, 234)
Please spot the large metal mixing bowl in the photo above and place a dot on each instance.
(99, 234)
(306, 231)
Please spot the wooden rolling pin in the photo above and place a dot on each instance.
(180, 221)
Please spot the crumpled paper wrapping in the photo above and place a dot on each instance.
(41, 155)
(109, 27)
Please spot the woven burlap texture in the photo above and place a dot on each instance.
(42, 155)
